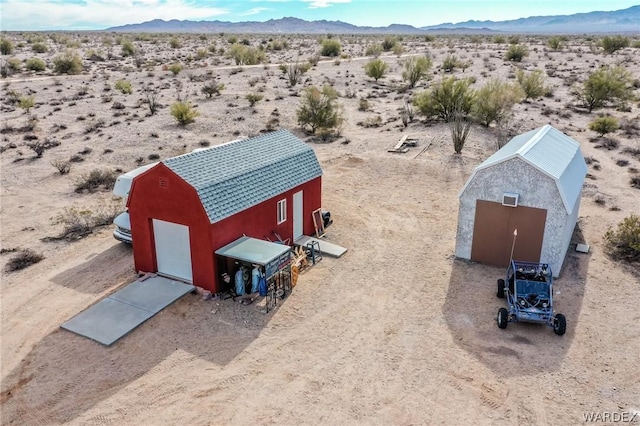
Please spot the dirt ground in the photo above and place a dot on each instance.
(397, 331)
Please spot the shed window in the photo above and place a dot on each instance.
(282, 211)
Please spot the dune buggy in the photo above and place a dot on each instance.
(528, 290)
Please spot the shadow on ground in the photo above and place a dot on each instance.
(471, 307)
(65, 374)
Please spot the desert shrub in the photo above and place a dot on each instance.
(611, 44)
(174, 43)
(245, 55)
(415, 69)
(450, 63)
(123, 86)
(445, 98)
(388, 43)
(330, 47)
(40, 146)
(623, 243)
(604, 125)
(319, 109)
(532, 83)
(608, 143)
(26, 103)
(495, 100)
(39, 47)
(294, 71)
(35, 64)
(95, 180)
(363, 105)
(374, 50)
(62, 166)
(407, 113)
(398, 49)
(555, 43)
(516, 53)
(79, 222)
(201, 53)
(127, 48)
(211, 88)
(67, 63)
(151, 99)
(6, 46)
(175, 68)
(375, 68)
(23, 259)
(313, 60)
(606, 84)
(499, 39)
(184, 113)
(253, 98)
(459, 125)
(514, 39)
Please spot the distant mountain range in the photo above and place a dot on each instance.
(618, 21)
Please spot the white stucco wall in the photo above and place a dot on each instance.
(536, 190)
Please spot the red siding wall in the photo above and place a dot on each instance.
(176, 201)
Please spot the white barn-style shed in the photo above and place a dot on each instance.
(533, 185)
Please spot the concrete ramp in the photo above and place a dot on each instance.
(326, 247)
(118, 314)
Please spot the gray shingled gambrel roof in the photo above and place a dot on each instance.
(550, 151)
(237, 175)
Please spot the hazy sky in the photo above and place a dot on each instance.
(100, 14)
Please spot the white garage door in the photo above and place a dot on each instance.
(173, 251)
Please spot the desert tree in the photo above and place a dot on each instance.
(460, 126)
(532, 83)
(184, 112)
(415, 69)
(611, 44)
(330, 47)
(623, 242)
(604, 125)
(446, 98)
(319, 109)
(375, 68)
(151, 99)
(494, 101)
(607, 84)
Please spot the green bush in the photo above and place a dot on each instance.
(494, 101)
(388, 43)
(555, 43)
(174, 43)
(67, 63)
(446, 98)
(211, 88)
(127, 48)
(415, 69)
(26, 103)
(175, 68)
(604, 125)
(253, 98)
(35, 64)
(23, 259)
(623, 243)
(374, 50)
(450, 63)
(375, 68)
(184, 113)
(39, 47)
(319, 109)
(532, 83)
(123, 86)
(516, 53)
(611, 44)
(330, 47)
(6, 47)
(607, 84)
(245, 55)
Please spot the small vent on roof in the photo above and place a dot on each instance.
(164, 183)
(510, 199)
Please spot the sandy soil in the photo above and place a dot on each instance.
(397, 331)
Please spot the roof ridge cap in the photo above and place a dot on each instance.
(534, 139)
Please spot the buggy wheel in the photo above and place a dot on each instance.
(559, 324)
(503, 315)
(500, 293)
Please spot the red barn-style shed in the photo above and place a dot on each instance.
(186, 207)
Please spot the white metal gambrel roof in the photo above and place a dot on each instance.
(550, 151)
